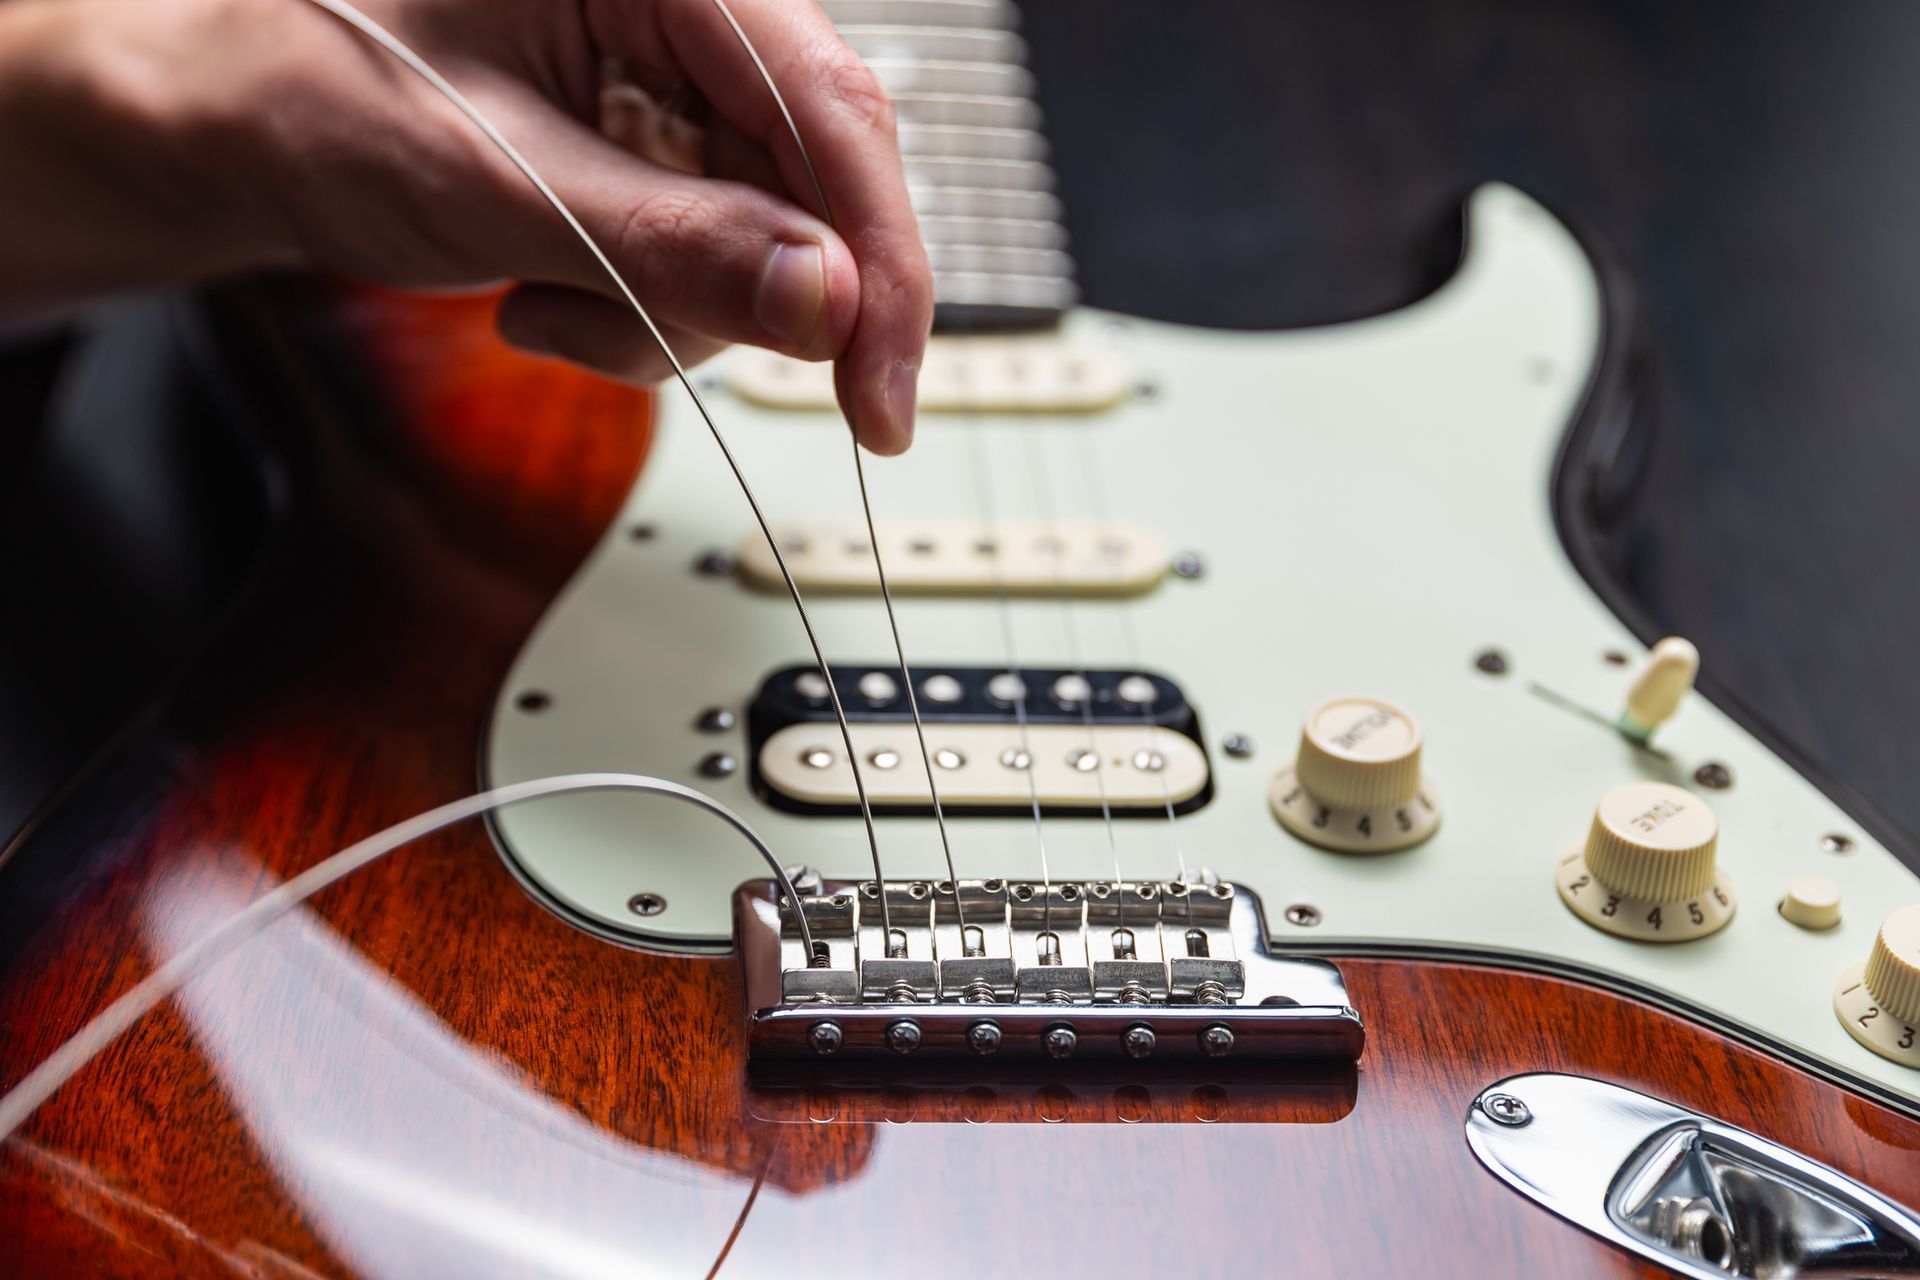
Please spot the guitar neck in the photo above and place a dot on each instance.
(975, 159)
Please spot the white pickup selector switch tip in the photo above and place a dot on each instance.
(1661, 686)
(1879, 1002)
(1649, 868)
(1356, 783)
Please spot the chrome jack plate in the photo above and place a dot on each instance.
(997, 969)
(1697, 1196)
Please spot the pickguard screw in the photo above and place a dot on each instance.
(718, 764)
(641, 532)
(903, 1037)
(1060, 1042)
(715, 720)
(1138, 1041)
(1615, 658)
(713, 564)
(646, 904)
(1216, 1041)
(533, 701)
(1837, 843)
(1714, 774)
(1304, 914)
(1238, 745)
(1504, 1108)
(825, 1037)
(1146, 389)
(1491, 661)
(1188, 564)
(983, 1038)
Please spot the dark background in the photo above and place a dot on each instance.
(1753, 167)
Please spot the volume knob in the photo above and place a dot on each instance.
(1879, 1002)
(1355, 784)
(1648, 869)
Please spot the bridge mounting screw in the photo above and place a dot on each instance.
(903, 1037)
(826, 1038)
(983, 1038)
(1138, 1041)
(1060, 1042)
(713, 564)
(1188, 564)
(1504, 1108)
(715, 720)
(1216, 1041)
(1238, 745)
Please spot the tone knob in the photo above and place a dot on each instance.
(1355, 785)
(1648, 869)
(1879, 1002)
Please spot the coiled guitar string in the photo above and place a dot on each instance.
(104, 1027)
(414, 62)
(866, 505)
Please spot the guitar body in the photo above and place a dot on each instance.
(430, 1070)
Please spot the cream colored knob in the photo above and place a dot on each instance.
(1663, 683)
(1355, 784)
(1812, 902)
(1647, 870)
(1879, 1002)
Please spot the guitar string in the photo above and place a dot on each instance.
(866, 504)
(344, 11)
(1130, 646)
(1049, 518)
(983, 499)
(103, 1028)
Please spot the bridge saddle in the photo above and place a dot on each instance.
(1015, 969)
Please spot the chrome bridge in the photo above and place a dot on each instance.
(1129, 971)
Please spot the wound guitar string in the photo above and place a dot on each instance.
(866, 507)
(399, 49)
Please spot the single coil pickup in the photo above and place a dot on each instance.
(962, 373)
(998, 742)
(935, 557)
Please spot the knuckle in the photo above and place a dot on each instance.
(853, 90)
(669, 225)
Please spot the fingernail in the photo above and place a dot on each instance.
(902, 391)
(792, 302)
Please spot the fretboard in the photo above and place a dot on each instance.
(975, 159)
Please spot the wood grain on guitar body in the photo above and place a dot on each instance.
(1197, 1000)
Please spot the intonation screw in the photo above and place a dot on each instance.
(1189, 565)
(1238, 745)
(903, 1037)
(1216, 1041)
(1060, 1042)
(983, 1038)
(1304, 914)
(1714, 774)
(1504, 1108)
(1138, 1041)
(825, 1037)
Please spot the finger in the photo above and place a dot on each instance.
(716, 257)
(847, 124)
(597, 333)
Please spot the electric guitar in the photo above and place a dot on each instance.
(1337, 884)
